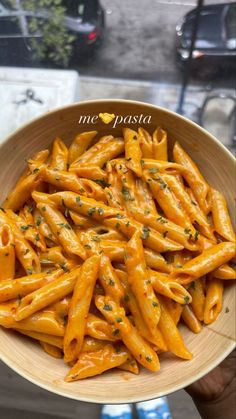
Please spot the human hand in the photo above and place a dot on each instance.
(215, 393)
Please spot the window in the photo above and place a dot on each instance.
(9, 27)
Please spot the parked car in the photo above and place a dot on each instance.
(216, 36)
(85, 19)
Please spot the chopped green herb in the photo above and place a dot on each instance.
(118, 319)
(30, 209)
(111, 282)
(43, 209)
(126, 297)
(82, 190)
(78, 201)
(148, 358)
(2, 209)
(87, 246)
(38, 221)
(194, 203)
(117, 225)
(146, 212)
(25, 228)
(29, 271)
(146, 232)
(35, 171)
(227, 310)
(142, 162)
(95, 239)
(37, 238)
(64, 267)
(196, 235)
(153, 170)
(149, 180)
(186, 299)
(118, 349)
(119, 216)
(126, 194)
(187, 231)
(102, 183)
(107, 307)
(91, 211)
(130, 158)
(155, 304)
(127, 224)
(148, 281)
(178, 265)
(162, 220)
(100, 211)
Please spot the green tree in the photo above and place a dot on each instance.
(50, 38)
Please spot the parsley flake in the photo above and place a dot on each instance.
(100, 211)
(145, 233)
(78, 201)
(91, 211)
(118, 319)
(107, 307)
(153, 170)
(186, 299)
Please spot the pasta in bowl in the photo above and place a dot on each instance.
(116, 253)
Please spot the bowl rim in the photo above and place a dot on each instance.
(131, 102)
(113, 400)
(153, 395)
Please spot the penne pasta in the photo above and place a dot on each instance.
(47, 294)
(171, 334)
(133, 153)
(171, 289)
(106, 246)
(145, 143)
(193, 177)
(62, 229)
(160, 144)
(190, 320)
(208, 261)
(20, 287)
(7, 253)
(109, 280)
(80, 144)
(140, 285)
(141, 350)
(59, 155)
(56, 341)
(51, 350)
(213, 303)
(220, 215)
(94, 363)
(79, 307)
